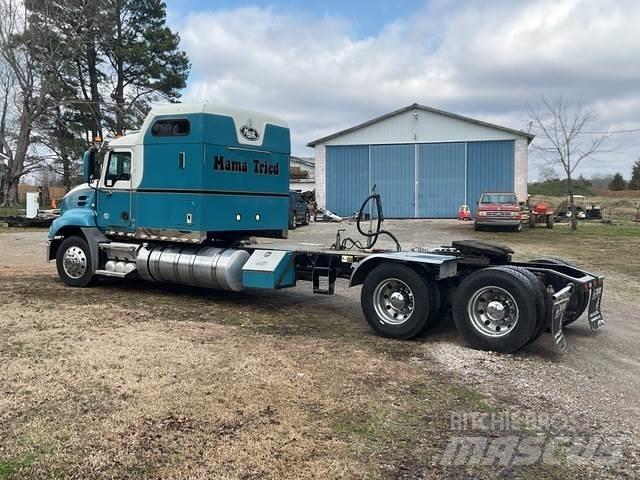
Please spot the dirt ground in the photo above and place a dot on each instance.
(135, 380)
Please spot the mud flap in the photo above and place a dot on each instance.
(596, 320)
(560, 301)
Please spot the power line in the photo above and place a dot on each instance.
(632, 130)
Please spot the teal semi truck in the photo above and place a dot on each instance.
(178, 200)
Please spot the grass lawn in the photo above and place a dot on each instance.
(11, 211)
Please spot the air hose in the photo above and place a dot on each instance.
(372, 236)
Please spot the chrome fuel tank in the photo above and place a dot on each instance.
(210, 267)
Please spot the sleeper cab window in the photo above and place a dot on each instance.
(171, 128)
(119, 168)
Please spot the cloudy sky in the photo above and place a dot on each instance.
(328, 65)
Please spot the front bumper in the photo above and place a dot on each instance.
(496, 222)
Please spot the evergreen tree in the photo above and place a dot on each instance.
(634, 183)
(119, 50)
(74, 117)
(617, 183)
(146, 61)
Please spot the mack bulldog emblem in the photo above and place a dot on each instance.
(248, 132)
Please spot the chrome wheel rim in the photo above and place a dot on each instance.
(74, 262)
(493, 311)
(393, 301)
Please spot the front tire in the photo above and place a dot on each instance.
(494, 310)
(73, 261)
(396, 301)
(293, 223)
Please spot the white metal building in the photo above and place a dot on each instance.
(425, 163)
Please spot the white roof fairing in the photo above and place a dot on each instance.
(240, 117)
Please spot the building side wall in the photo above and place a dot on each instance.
(321, 175)
(521, 168)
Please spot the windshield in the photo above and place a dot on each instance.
(499, 198)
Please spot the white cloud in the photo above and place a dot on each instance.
(480, 59)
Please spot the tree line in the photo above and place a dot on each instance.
(619, 183)
(551, 184)
(75, 70)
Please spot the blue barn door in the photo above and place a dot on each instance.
(393, 173)
(347, 178)
(490, 168)
(441, 182)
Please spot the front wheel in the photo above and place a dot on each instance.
(293, 223)
(396, 301)
(73, 261)
(494, 309)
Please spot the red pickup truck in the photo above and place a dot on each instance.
(498, 209)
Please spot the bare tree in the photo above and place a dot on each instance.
(563, 139)
(33, 63)
(7, 83)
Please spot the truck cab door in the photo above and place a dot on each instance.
(114, 194)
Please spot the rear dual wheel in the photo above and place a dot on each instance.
(499, 309)
(398, 302)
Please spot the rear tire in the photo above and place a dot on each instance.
(543, 305)
(307, 218)
(396, 301)
(493, 309)
(437, 308)
(550, 221)
(579, 300)
(73, 261)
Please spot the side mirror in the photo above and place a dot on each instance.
(89, 164)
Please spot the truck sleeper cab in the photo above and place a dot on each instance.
(176, 201)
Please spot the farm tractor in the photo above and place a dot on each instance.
(541, 213)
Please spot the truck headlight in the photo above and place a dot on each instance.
(482, 214)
